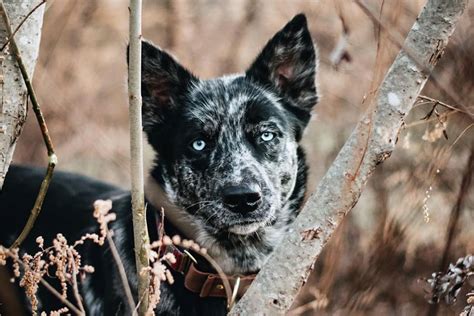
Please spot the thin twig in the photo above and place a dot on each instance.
(122, 273)
(428, 120)
(20, 24)
(452, 107)
(75, 287)
(223, 276)
(53, 159)
(35, 211)
(58, 295)
(461, 135)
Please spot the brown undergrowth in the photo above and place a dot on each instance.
(62, 262)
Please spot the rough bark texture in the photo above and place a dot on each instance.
(13, 96)
(371, 142)
(136, 152)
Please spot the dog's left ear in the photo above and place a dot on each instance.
(288, 63)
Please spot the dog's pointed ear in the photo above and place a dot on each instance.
(288, 63)
(163, 82)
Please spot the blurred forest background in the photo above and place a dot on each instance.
(396, 235)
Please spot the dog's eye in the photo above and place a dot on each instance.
(267, 136)
(199, 144)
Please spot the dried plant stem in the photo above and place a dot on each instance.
(435, 119)
(53, 160)
(372, 141)
(58, 295)
(454, 219)
(427, 99)
(122, 273)
(75, 287)
(140, 230)
(21, 23)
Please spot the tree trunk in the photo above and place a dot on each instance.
(13, 95)
(371, 142)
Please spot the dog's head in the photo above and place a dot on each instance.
(227, 147)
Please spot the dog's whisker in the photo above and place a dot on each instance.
(203, 207)
(211, 216)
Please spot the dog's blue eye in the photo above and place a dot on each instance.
(199, 144)
(267, 136)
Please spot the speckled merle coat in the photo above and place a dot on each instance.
(227, 157)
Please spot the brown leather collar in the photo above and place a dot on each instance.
(211, 285)
(205, 284)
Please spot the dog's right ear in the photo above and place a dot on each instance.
(163, 82)
(288, 65)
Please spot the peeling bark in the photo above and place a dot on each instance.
(13, 95)
(371, 142)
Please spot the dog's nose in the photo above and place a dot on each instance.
(242, 198)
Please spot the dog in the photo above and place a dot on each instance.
(229, 173)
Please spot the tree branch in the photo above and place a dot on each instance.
(370, 143)
(13, 96)
(53, 160)
(140, 230)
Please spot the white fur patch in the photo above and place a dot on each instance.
(245, 229)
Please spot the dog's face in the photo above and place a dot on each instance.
(227, 147)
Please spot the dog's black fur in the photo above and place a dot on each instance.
(228, 159)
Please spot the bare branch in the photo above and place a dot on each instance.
(371, 143)
(140, 230)
(13, 95)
